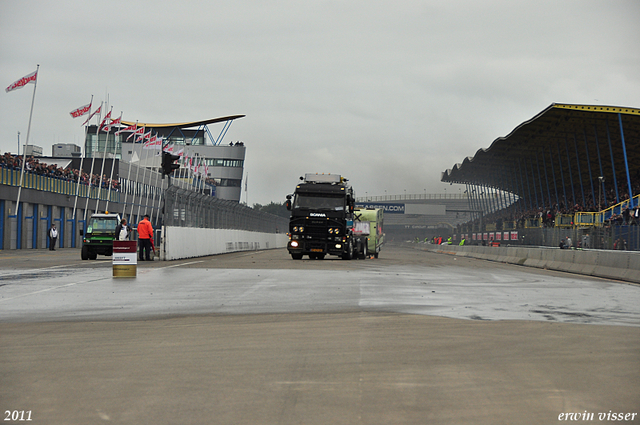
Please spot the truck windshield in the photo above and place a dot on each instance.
(319, 202)
(102, 224)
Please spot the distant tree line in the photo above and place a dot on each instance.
(273, 208)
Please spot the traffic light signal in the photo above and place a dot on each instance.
(168, 164)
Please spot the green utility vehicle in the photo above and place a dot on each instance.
(368, 223)
(99, 237)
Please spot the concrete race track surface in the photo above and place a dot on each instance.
(260, 338)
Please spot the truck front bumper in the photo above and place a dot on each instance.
(315, 247)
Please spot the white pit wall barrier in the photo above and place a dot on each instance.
(189, 242)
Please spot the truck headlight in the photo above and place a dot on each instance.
(294, 244)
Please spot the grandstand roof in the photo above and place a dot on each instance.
(185, 124)
(558, 146)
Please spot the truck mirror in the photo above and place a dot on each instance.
(288, 204)
(81, 232)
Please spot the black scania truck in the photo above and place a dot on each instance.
(322, 218)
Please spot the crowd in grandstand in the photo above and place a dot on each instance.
(34, 166)
(519, 212)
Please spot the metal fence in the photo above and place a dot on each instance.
(624, 237)
(185, 208)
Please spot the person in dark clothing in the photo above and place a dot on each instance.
(53, 237)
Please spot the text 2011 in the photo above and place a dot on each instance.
(17, 415)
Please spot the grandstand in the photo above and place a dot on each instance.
(572, 170)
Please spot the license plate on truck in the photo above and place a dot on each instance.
(317, 250)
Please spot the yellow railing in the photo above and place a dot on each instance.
(618, 208)
(509, 225)
(580, 219)
(532, 223)
(564, 220)
(588, 219)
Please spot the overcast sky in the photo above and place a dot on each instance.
(388, 94)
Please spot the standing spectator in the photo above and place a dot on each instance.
(123, 230)
(145, 235)
(53, 237)
(568, 243)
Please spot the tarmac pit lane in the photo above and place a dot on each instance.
(454, 292)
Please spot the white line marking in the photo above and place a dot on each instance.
(178, 265)
(48, 289)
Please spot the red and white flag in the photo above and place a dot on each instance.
(138, 131)
(104, 120)
(97, 111)
(31, 78)
(145, 136)
(196, 166)
(126, 130)
(83, 110)
(153, 143)
(117, 121)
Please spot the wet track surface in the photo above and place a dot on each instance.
(402, 283)
(257, 338)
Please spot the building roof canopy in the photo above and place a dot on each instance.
(564, 143)
(185, 124)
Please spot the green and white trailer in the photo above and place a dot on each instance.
(368, 222)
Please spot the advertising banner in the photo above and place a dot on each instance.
(125, 259)
(388, 208)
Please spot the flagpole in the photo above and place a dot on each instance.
(124, 208)
(144, 176)
(200, 175)
(93, 161)
(161, 183)
(182, 171)
(104, 158)
(137, 171)
(113, 162)
(86, 130)
(156, 182)
(26, 144)
(137, 174)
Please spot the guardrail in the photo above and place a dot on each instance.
(622, 265)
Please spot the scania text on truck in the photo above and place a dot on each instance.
(321, 221)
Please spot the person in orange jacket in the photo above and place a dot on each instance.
(145, 238)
